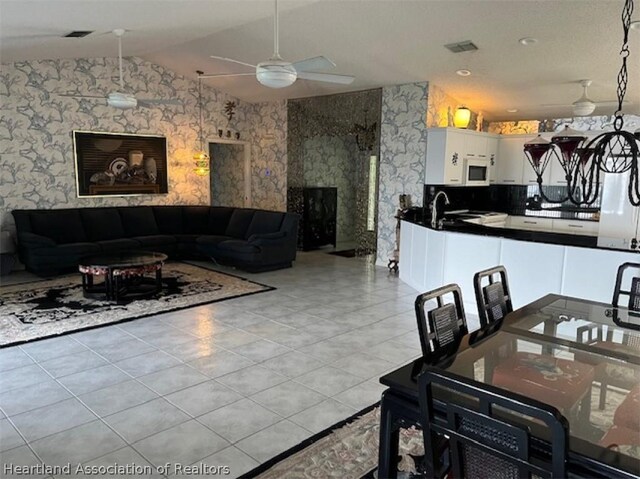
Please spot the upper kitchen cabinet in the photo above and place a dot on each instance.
(510, 161)
(449, 150)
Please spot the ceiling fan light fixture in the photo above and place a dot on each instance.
(583, 107)
(276, 74)
(122, 101)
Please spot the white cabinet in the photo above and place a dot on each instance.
(619, 220)
(492, 155)
(447, 150)
(510, 160)
(576, 227)
(529, 223)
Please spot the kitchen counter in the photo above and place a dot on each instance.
(537, 262)
(536, 236)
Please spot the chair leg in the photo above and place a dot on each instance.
(389, 439)
(603, 394)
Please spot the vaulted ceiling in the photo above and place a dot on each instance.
(380, 42)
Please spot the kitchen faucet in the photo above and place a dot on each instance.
(434, 208)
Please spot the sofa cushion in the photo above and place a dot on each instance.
(102, 224)
(239, 223)
(138, 221)
(68, 250)
(196, 219)
(211, 239)
(264, 222)
(168, 219)
(154, 240)
(62, 226)
(238, 249)
(122, 244)
(219, 219)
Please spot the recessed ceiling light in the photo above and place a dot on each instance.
(463, 73)
(635, 25)
(526, 41)
(512, 110)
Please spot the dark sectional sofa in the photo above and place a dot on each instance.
(52, 241)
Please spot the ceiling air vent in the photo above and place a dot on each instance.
(466, 46)
(78, 34)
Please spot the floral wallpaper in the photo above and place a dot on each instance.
(227, 174)
(331, 161)
(514, 127)
(267, 128)
(403, 149)
(37, 119)
(441, 108)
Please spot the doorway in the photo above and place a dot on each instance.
(230, 173)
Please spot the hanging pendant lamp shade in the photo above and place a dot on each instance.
(462, 117)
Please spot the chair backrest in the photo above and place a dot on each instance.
(634, 290)
(484, 441)
(493, 298)
(441, 327)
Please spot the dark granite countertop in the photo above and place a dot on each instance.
(458, 226)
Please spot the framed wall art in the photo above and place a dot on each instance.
(118, 164)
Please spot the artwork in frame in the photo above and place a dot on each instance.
(117, 164)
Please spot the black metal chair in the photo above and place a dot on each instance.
(489, 430)
(441, 328)
(494, 298)
(634, 290)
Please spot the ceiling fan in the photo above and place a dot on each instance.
(278, 73)
(120, 99)
(584, 106)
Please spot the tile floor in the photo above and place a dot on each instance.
(227, 384)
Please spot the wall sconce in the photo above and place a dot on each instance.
(462, 117)
(201, 158)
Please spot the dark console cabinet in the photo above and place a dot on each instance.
(320, 206)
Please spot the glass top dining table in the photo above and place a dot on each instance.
(560, 337)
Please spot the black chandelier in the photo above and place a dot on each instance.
(584, 161)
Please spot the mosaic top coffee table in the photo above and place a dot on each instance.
(126, 275)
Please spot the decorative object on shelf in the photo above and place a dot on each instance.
(479, 121)
(237, 135)
(584, 161)
(220, 132)
(123, 170)
(365, 134)
(461, 117)
(201, 157)
(230, 109)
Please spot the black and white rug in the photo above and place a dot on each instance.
(41, 309)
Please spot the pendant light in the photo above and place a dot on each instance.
(584, 161)
(201, 158)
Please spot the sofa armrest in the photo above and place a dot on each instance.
(266, 238)
(34, 240)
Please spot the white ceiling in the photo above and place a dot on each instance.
(381, 42)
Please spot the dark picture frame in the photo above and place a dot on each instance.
(120, 164)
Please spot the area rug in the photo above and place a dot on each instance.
(41, 309)
(349, 449)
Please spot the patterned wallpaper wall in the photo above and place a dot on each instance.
(227, 174)
(331, 161)
(37, 167)
(441, 108)
(403, 149)
(580, 123)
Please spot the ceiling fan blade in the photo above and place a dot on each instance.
(222, 75)
(232, 61)
(313, 64)
(92, 97)
(157, 101)
(327, 77)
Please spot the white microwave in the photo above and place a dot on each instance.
(476, 172)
